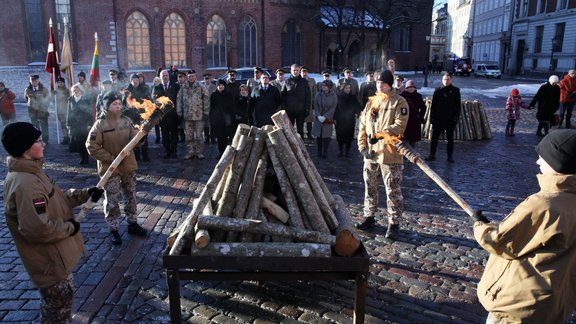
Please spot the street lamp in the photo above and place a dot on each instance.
(427, 57)
(554, 47)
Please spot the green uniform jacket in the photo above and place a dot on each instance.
(37, 211)
(391, 117)
(530, 276)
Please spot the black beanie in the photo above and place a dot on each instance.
(558, 149)
(110, 97)
(18, 137)
(387, 77)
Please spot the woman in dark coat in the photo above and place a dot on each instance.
(548, 100)
(221, 103)
(345, 116)
(79, 122)
(413, 132)
(243, 108)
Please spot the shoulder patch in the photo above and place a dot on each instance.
(404, 111)
(93, 136)
(39, 205)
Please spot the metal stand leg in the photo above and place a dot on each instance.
(173, 281)
(360, 299)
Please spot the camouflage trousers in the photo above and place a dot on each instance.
(194, 130)
(392, 176)
(63, 128)
(125, 184)
(56, 302)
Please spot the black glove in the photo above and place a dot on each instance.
(95, 193)
(76, 226)
(479, 217)
(367, 154)
(373, 140)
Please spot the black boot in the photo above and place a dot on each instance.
(367, 223)
(115, 237)
(340, 150)
(137, 230)
(348, 150)
(392, 232)
(539, 130)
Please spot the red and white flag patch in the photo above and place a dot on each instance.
(39, 205)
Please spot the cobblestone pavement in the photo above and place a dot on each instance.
(428, 276)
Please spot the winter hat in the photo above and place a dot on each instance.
(18, 137)
(387, 77)
(558, 149)
(515, 92)
(82, 74)
(553, 79)
(110, 97)
(410, 83)
(134, 76)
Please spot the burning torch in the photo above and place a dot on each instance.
(153, 113)
(415, 158)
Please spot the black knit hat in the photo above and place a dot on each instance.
(18, 137)
(110, 97)
(220, 81)
(82, 74)
(558, 149)
(387, 77)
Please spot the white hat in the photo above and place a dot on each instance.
(553, 79)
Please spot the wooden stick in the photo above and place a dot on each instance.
(256, 196)
(246, 186)
(304, 250)
(202, 237)
(296, 218)
(347, 237)
(298, 180)
(259, 227)
(205, 198)
(242, 129)
(274, 210)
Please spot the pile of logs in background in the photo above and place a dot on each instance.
(472, 125)
(265, 197)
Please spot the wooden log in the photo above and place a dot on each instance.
(298, 180)
(259, 227)
(256, 195)
(347, 237)
(322, 194)
(274, 210)
(202, 237)
(260, 249)
(228, 200)
(486, 131)
(242, 129)
(205, 198)
(296, 218)
(247, 183)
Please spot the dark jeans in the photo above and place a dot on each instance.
(170, 139)
(298, 120)
(436, 132)
(566, 108)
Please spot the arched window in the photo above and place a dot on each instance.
(36, 39)
(354, 55)
(290, 43)
(247, 40)
(174, 40)
(216, 44)
(138, 41)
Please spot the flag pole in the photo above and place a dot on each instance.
(53, 81)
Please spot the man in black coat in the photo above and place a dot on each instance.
(267, 101)
(296, 98)
(444, 115)
(169, 123)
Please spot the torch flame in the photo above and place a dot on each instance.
(147, 107)
(388, 138)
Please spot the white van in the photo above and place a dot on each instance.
(488, 71)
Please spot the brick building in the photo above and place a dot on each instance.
(207, 36)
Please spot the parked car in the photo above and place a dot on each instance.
(487, 71)
(246, 73)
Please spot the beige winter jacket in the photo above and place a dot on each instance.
(530, 276)
(383, 113)
(36, 212)
(193, 102)
(108, 136)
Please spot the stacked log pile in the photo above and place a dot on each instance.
(265, 197)
(472, 125)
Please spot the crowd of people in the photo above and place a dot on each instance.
(538, 238)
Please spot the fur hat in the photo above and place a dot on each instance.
(134, 76)
(515, 92)
(220, 81)
(387, 77)
(18, 137)
(558, 149)
(110, 97)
